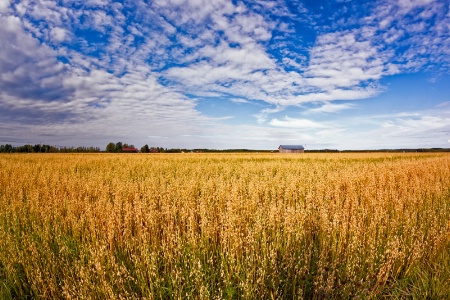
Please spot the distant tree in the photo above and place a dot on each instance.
(111, 147)
(119, 147)
(125, 146)
(48, 149)
(8, 148)
(145, 149)
(25, 148)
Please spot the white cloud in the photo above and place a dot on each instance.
(304, 124)
(331, 108)
(239, 100)
(4, 5)
(30, 70)
(59, 34)
(408, 5)
(340, 60)
(85, 99)
(100, 3)
(250, 56)
(444, 104)
(421, 27)
(263, 115)
(336, 94)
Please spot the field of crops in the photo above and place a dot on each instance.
(224, 226)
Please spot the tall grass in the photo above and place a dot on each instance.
(232, 226)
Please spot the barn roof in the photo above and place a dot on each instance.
(292, 147)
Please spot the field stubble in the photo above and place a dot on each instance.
(230, 226)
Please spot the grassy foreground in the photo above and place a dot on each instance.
(225, 226)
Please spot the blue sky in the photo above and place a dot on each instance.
(226, 74)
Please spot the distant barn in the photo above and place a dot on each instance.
(291, 149)
(130, 150)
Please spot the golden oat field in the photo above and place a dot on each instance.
(225, 226)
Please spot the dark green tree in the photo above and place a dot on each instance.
(119, 147)
(8, 148)
(145, 149)
(111, 147)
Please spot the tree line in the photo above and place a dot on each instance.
(111, 147)
(39, 148)
(119, 147)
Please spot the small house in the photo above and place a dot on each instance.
(291, 149)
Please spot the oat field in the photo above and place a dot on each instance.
(225, 226)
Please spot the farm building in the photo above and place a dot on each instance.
(130, 150)
(291, 149)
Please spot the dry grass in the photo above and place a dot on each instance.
(231, 226)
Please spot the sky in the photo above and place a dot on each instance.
(225, 74)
